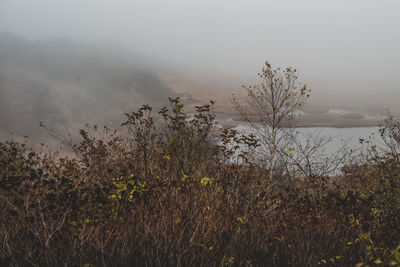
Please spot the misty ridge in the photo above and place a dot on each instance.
(66, 85)
(199, 133)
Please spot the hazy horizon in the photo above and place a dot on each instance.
(345, 51)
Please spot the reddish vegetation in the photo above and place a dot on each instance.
(164, 194)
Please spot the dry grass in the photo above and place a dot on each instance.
(167, 195)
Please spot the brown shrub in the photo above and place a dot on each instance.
(167, 194)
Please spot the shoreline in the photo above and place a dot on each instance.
(229, 120)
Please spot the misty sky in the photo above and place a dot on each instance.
(338, 46)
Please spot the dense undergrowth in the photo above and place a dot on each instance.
(164, 193)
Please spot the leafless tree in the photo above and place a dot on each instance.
(307, 157)
(390, 133)
(270, 108)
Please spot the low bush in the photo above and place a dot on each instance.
(164, 192)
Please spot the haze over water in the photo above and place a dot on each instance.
(108, 57)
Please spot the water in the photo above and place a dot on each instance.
(350, 135)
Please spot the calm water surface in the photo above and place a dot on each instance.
(351, 135)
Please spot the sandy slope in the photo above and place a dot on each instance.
(196, 92)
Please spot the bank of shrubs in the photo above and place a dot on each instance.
(163, 192)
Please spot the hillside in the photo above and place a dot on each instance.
(67, 84)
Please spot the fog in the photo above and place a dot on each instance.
(345, 51)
